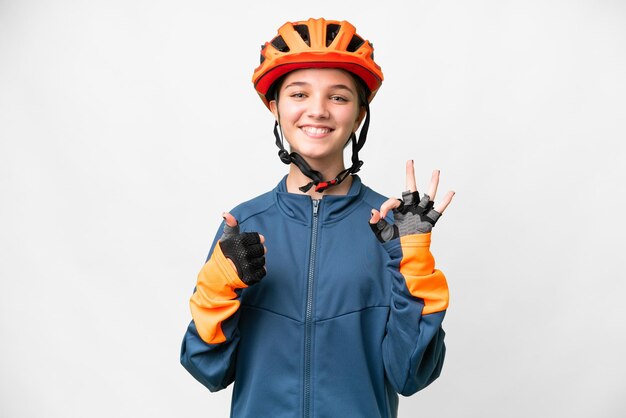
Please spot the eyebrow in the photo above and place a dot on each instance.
(334, 86)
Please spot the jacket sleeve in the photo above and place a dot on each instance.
(413, 347)
(210, 344)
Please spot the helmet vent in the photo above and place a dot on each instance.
(355, 43)
(331, 32)
(262, 56)
(279, 43)
(303, 30)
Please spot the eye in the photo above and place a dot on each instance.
(339, 99)
(297, 95)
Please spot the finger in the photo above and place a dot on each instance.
(375, 216)
(425, 203)
(445, 202)
(231, 227)
(410, 176)
(388, 205)
(258, 262)
(434, 182)
(229, 219)
(256, 250)
(262, 238)
(384, 231)
(410, 198)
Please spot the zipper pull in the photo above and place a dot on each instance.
(316, 205)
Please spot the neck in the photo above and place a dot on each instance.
(295, 179)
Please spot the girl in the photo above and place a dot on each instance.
(309, 308)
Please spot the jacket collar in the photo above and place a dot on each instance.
(332, 208)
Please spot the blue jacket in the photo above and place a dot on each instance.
(339, 325)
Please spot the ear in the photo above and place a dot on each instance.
(359, 118)
(274, 108)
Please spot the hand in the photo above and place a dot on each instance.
(245, 251)
(412, 215)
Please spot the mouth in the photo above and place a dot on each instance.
(316, 131)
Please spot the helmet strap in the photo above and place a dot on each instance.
(357, 145)
(295, 158)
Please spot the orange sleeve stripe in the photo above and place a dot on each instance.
(422, 279)
(215, 299)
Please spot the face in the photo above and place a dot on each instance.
(319, 109)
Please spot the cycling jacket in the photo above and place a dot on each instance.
(339, 325)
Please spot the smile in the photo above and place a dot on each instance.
(314, 131)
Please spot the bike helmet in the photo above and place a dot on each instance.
(318, 43)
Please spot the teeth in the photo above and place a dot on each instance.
(315, 131)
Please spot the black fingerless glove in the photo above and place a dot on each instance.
(413, 216)
(247, 253)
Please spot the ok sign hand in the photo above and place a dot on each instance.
(412, 215)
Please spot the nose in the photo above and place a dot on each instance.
(318, 108)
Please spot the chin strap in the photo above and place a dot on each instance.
(315, 176)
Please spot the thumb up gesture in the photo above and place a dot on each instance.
(245, 251)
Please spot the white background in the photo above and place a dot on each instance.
(127, 127)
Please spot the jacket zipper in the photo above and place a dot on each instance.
(308, 321)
